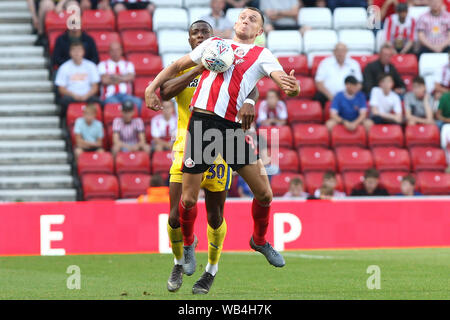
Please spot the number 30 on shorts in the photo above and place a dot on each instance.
(218, 171)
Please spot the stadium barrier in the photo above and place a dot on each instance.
(112, 227)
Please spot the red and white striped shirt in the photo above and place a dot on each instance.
(162, 128)
(128, 132)
(435, 28)
(395, 31)
(224, 93)
(111, 67)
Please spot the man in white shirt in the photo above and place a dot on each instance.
(272, 111)
(442, 80)
(332, 72)
(77, 79)
(164, 127)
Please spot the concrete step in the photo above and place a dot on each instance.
(13, 6)
(26, 98)
(38, 195)
(23, 63)
(40, 182)
(30, 158)
(26, 86)
(21, 51)
(35, 170)
(24, 74)
(32, 146)
(15, 17)
(17, 39)
(15, 28)
(29, 122)
(31, 134)
(28, 110)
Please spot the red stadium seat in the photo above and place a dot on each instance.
(284, 138)
(326, 111)
(307, 87)
(139, 41)
(428, 158)
(103, 39)
(100, 186)
(287, 160)
(280, 182)
(341, 136)
(353, 159)
(132, 162)
(134, 19)
(98, 20)
(408, 80)
(299, 63)
(161, 161)
(364, 60)
(316, 159)
(386, 135)
(147, 114)
(140, 84)
(406, 64)
(103, 56)
(75, 111)
(433, 183)
(146, 64)
(132, 185)
(310, 134)
(315, 63)
(95, 162)
(304, 111)
(391, 158)
(148, 133)
(112, 111)
(422, 134)
(352, 179)
(314, 181)
(265, 84)
(52, 37)
(56, 21)
(392, 180)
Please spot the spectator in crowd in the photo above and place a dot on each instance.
(329, 181)
(117, 76)
(62, 47)
(326, 193)
(433, 29)
(332, 72)
(129, 132)
(387, 7)
(385, 104)
(348, 107)
(88, 132)
(77, 79)
(272, 111)
(280, 14)
(296, 189)
(370, 186)
(157, 192)
(94, 5)
(399, 30)
(38, 10)
(418, 104)
(222, 26)
(373, 71)
(241, 4)
(120, 5)
(443, 112)
(164, 127)
(333, 4)
(408, 186)
(442, 80)
(243, 189)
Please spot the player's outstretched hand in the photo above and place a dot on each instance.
(151, 100)
(290, 84)
(247, 115)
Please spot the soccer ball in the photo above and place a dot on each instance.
(218, 56)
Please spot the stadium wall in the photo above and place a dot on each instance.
(111, 227)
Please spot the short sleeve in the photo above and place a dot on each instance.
(374, 102)
(421, 24)
(116, 125)
(78, 125)
(130, 67)
(140, 125)
(101, 68)
(93, 73)
(196, 54)
(283, 115)
(61, 79)
(262, 112)
(407, 101)
(269, 63)
(321, 73)
(358, 74)
(397, 104)
(335, 103)
(100, 134)
(154, 127)
(362, 101)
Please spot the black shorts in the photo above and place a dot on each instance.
(209, 136)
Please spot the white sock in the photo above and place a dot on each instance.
(180, 262)
(212, 268)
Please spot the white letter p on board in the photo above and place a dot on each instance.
(280, 237)
(47, 236)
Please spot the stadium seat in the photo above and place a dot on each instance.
(280, 182)
(196, 3)
(284, 41)
(233, 14)
(132, 185)
(170, 18)
(319, 40)
(100, 186)
(350, 18)
(56, 21)
(265, 84)
(314, 181)
(161, 161)
(146, 64)
(307, 87)
(285, 138)
(364, 60)
(430, 62)
(433, 183)
(112, 111)
(386, 135)
(103, 20)
(406, 64)
(169, 42)
(408, 80)
(139, 41)
(195, 13)
(391, 158)
(428, 158)
(52, 37)
(134, 19)
(140, 84)
(310, 134)
(298, 62)
(95, 162)
(341, 136)
(392, 180)
(326, 111)
(416, 11)
(316, 18)
(358, 40)
(103, 39)
(287, 160)
(316, 159)
(147, 114)
(316, 62)
(351, 179)
(169, 58)
(75, 111)
(148, 132)
(422, 134)
(353, 159)
(168, 3)
(304, 111)
(132, 162)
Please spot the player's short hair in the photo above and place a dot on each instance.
(91, 107)
(329, 175)
(410, 179)
(371, 173)
(259, 11)
(200, 21)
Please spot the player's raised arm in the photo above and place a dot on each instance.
(173, 87)
(287, 83)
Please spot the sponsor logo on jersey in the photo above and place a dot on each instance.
(189, 163)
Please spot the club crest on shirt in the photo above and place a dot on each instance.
(189, 163)
(239, 52)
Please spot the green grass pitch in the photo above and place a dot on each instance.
(330, 274)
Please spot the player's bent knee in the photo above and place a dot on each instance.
(188, 201)
(264, 197)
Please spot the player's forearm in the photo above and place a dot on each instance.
(254, 94)
(173, 87)
(171, 72)
(407, 47)
(64, 92)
